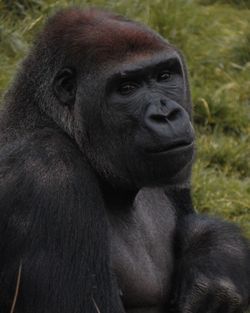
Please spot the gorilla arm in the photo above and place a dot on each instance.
(213, 271)
(53, 223)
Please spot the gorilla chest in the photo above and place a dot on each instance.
(142, 249)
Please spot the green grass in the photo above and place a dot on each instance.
(215, 38)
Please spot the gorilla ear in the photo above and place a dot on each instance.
(64, 86)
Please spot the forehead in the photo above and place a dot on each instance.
(140, 62)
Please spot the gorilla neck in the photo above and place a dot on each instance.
(117, 198)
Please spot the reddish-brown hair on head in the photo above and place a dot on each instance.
(98, 33)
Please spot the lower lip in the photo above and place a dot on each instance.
(172, 150)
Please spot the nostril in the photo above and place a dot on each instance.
(158, 118)
(172, 115)
(163, 118)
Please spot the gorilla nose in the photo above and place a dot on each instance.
(169, 123)
(163, 114)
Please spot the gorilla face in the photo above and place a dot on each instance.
(132, 112)
(155, 129)
(141, 132)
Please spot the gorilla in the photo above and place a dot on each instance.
(97, 147)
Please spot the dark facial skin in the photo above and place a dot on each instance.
(150, 93)
(96, 151)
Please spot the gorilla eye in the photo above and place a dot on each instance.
(164, 76)
(127, 88)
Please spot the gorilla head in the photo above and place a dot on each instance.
(121, 91)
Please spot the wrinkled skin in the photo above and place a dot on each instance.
(96, 154)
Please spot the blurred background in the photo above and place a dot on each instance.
(214, 35)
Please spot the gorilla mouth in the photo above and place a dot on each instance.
(178, 146)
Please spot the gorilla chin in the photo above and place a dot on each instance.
(160, 168)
